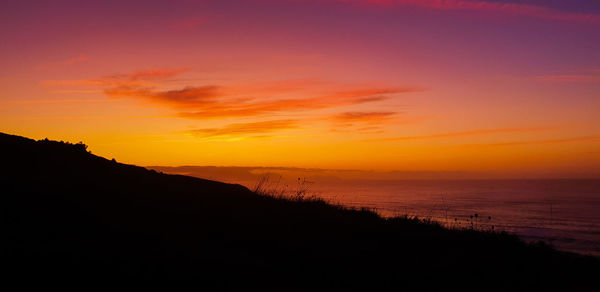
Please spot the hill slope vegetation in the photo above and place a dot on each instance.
(70, 216)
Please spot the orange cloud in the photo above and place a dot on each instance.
(58, 101)
(244, 129)
(368, 117)
(363, 130)
(536, 11)
(550, 141)
(216, 102)
(371, 119)
(189, 97)
(208, 102)
(458, 134)
(74, 83)
(261, 107)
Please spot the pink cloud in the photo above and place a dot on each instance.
(187, 24)
(536, 11)
(570, 78)
(150, 74)
(81, 58)
(75, 60)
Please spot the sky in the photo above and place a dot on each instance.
(505, 89)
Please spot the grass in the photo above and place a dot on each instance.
(301, 193)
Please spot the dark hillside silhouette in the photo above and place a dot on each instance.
(70, 216)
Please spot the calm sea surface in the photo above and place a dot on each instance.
(564, 213)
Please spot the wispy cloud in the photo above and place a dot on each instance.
(587, 75)
(255, 107)
(537, 11)
(591, 77)
(134, 80)
(257, 101)
(149, 74)
(364, 117)
(537, 142)
(188, 23)
(213, 101)
(57, 101)
(463, 133)
(189, 97)
(81, 58)
(94, 117)
(247, 129)
(74, 83)
(361, 122)
(362, 130)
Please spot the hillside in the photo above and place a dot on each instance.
(70, 216)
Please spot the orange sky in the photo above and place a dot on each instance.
(506, 89)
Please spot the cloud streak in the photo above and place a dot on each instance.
(572, 78)
(188, 23)
(81, 58)
(536, 11)
(459, 134)
(213, 101)
(284, 99)
(188, 97)
(364, 117)
(256, 107)
(361, 122)
(246, 129)
(540, 142)
(150, 74)
(75, 60)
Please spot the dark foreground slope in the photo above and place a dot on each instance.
(71, 217)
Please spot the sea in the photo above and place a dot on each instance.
(563, 213)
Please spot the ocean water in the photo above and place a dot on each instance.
(564, 213)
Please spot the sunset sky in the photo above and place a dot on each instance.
(502, 88)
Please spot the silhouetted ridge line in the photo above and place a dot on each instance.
(68, 215)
